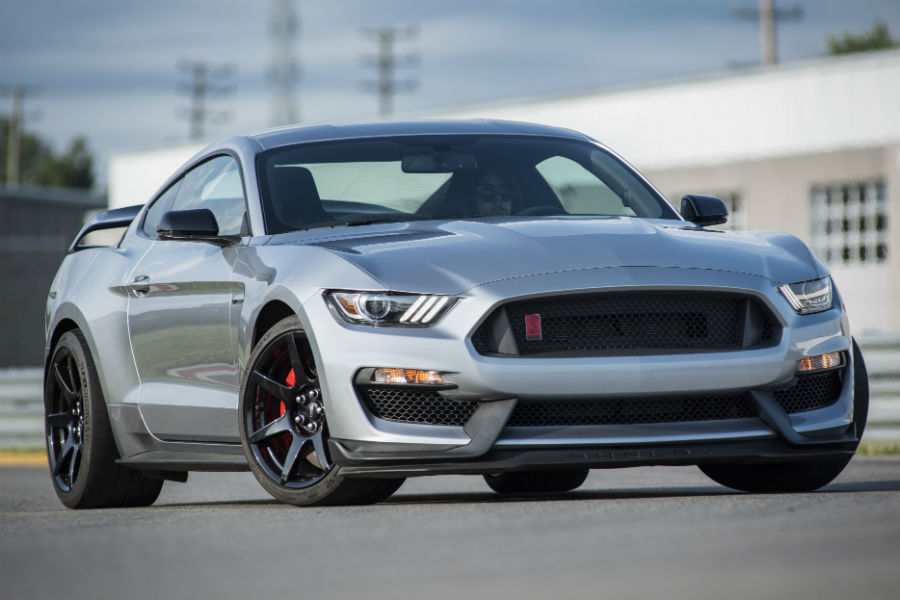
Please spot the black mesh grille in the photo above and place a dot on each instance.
(638, 322)
(416, 406)
(631, 411)
(811, 392)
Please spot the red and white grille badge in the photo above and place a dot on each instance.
(533, 328)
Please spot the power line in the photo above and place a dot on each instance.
(284, 68)
(205, 83)
(386, 62)
(768, 16)
(17, 95)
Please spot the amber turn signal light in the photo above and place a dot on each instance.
(406, 376)
(818, 363)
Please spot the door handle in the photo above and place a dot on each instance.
(141, 286)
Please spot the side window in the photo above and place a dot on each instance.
(216, 185)
(162, 205)
(579, 190)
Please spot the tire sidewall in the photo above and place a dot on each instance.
(860, 391)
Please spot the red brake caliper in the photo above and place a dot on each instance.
(291, 380)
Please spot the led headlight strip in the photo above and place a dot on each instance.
(425, 309)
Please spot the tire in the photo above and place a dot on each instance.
(284, 429)
(798, 476)
(525, 482)
(80, 445)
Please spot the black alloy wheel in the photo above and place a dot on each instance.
(81, 450)
(285, 418)
(64, 420)
(284, 428)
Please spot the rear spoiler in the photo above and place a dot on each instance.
(107, 219)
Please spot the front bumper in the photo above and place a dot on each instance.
(363, 443)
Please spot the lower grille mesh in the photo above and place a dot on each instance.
(631, 411)
(416, 406)
(403, 405)
(811, 392)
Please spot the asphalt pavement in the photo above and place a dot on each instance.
(657, 532)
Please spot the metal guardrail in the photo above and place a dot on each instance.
(21, 408)
(21, 403)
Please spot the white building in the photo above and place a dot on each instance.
(810, 148)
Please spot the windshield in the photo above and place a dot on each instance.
(447, 177)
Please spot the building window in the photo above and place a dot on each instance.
(849, 223)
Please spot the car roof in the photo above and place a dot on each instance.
(283, 136)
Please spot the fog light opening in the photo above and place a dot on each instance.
(820, 363)
(406, 376)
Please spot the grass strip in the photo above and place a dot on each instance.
(878, 449)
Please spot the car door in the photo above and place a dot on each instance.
(183, 309)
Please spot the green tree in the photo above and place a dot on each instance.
(878, 38)
(40, 165)
(74, 168)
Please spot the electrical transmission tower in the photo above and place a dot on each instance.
(386, 61)
(17, 95)
(768, 16)
(205, 83)
(284, 69)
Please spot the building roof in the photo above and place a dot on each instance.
(798, 108)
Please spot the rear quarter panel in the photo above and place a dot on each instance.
(89, 291)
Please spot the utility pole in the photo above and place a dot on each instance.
(284, 69)
(386, 61)
(17, 95)
(204, 84)
(768, 16)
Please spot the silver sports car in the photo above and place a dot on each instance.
(339, 308)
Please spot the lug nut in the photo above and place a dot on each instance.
(299, 419)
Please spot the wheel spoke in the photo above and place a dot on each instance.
(67, 391)
(68, 447)
(280, 391)
(59, 419)
(297, 362)
(73, 463)
(279, 425)
(318, 443)
(291, 458)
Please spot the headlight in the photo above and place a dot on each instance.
(389, 309)
(808, 296)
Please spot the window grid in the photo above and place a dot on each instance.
(849, 223)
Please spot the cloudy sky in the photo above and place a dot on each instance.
(108, 69)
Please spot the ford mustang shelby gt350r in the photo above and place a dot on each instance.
(338, 308)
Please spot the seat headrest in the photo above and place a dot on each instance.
(295, 198)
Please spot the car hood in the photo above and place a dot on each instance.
(450, 257)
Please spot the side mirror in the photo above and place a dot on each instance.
(703, 210)
(198, 224)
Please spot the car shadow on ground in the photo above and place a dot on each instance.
(488, 497)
